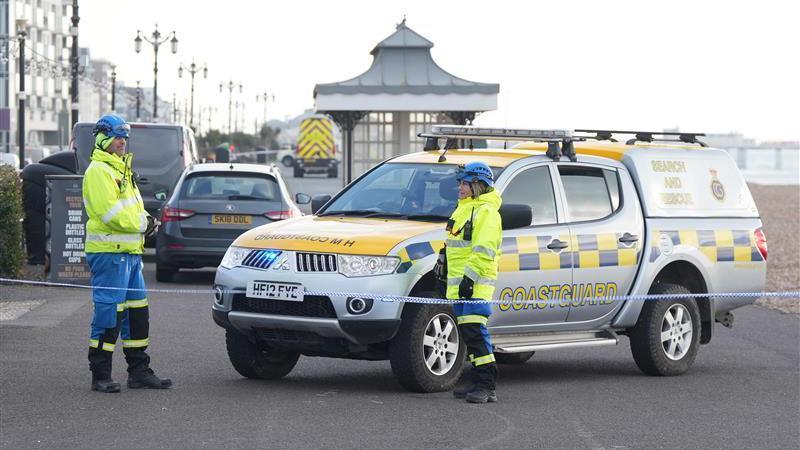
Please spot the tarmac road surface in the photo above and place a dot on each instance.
(742, 392)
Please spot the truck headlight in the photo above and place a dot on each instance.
(234, 257)
(365, 266)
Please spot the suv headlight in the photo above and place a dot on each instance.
(234, 257)
(365, 266)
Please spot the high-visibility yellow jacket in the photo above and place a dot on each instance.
(117, 219)
(478, 257)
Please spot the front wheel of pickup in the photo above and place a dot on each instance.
(427, 354)
(254, 361)
(666, 337)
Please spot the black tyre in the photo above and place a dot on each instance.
(427, 355)
(666, 337)
(254, 361)
(287, 161)
(333, 173)
(164, 272)
(513, 358)
(298, 172)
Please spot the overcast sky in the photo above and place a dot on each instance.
(704, 66)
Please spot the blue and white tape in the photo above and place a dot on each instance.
(794, 294)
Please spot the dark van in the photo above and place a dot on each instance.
(161, 152)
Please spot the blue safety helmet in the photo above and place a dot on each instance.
(112, 126)
(476, 171)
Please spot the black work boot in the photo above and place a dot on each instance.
(106, 386)
(148, 380)
(462, 391)
(481, 395)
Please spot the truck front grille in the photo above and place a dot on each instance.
(316, 262)
(311, 306)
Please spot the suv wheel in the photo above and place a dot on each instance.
(427, 355)
(298, 172)
(164, 272)
(513, 358)
(287, 161)
(666, 337)
(254, 361)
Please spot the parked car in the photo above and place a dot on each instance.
(161, 153)
(213, 204)
(286, 157)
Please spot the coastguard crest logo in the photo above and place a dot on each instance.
(717, 189)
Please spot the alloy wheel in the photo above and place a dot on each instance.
(440, 344)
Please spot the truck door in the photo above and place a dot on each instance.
(606, 227)
(535, 258)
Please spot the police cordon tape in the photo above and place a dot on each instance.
(435, 301)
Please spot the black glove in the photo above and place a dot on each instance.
(465, 287)
(152, 226)
(440, 271)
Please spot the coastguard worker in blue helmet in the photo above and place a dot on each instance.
(474, 236)
(115, 233)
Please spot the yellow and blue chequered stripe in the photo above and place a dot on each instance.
(523, 253)
(584, 251)
(414, 252)
(716, 245)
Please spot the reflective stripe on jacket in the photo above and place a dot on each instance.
(478, 257)
(116, 212)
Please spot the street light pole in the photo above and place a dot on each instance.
(113, 88)
(193, 69)
(155, 40)
(22, 26)
(231, 85)
(138, 100)
(265, 97)
(74, 61)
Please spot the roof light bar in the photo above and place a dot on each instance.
(511, 134)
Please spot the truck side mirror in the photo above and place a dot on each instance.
(515, 216)
(318, 201)
(302, 199)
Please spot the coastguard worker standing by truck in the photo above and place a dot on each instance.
(474, 236)
(115, 233)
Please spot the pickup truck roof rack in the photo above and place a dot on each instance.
(559, 141)
(645, 136)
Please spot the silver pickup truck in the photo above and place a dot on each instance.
(588, 222)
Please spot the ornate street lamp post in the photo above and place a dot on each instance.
(231, 85)
(155, 40)
(192, 69)
(265, 97)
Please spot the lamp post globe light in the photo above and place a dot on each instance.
(231, 85)
(192, 69)
(156, 41)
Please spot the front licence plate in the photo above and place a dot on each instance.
(231, 219)
(275, 291)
